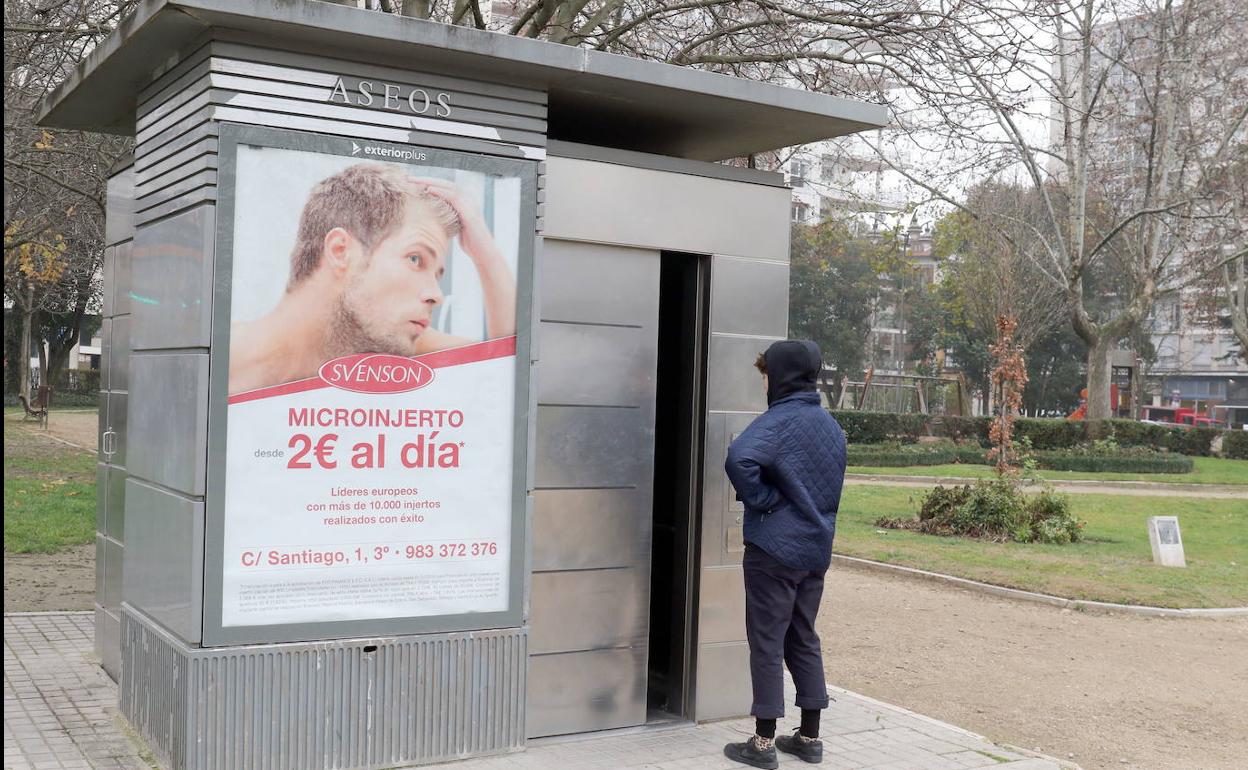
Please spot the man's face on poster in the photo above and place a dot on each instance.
(389, 293)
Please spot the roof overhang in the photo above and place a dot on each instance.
(593, 97)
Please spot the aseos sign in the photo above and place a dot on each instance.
(376, 373)
(390, 96)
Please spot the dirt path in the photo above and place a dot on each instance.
(40, 582)
(78, 427)
(1160, 694)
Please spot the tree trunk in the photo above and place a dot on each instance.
(1098, 379)
(1137, 384)
(23, 371)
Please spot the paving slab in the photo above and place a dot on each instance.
(60, 713)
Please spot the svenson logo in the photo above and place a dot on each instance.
(376, 373)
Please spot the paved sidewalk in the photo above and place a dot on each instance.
(60, 712)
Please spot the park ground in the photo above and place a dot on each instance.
(1107, 691)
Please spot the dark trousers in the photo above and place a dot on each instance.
(780, 608)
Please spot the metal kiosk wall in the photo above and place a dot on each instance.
(520, 526)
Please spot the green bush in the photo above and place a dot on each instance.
(995, 509)
(1235, 444)
(900, 456)
(1049, 434)
(1152, 462)
(878, 427)
(965, 428)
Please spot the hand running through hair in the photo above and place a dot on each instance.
(497, 283)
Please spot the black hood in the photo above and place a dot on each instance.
(792, 367)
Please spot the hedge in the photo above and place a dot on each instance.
(1235, 444)
(898, 456)
(1044, 434)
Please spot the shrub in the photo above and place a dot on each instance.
(1235, 444)
(877, 427)
(1050, 434)
(899, 456)
(996, 510)
(966, 428)
(1091, 462)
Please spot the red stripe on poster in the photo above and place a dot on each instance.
(441, 359)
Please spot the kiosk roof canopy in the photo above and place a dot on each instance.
(593, 97)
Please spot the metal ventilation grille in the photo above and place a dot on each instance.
(341, 704)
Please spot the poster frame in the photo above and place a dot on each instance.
(214, 633)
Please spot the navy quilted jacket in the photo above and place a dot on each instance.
(788, 467)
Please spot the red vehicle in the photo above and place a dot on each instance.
(1177, 415)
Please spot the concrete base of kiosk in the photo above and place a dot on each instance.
(359, 703)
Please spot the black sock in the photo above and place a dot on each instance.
(810, 723)
(765, 728)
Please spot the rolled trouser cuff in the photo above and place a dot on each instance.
(812, 702)
(767, 710)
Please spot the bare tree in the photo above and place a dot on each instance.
(1141, 126)
(54, 182)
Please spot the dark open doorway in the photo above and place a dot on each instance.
(678, 432)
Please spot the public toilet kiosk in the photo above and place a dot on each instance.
(422, 350)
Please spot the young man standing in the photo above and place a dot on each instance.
(787, 468)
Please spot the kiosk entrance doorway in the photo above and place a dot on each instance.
(616, 448)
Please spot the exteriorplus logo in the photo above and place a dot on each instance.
(376, 373)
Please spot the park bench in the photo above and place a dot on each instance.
(38, 409)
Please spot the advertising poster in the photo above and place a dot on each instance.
(371, 386)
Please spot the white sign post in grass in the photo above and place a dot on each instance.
(1163, 534)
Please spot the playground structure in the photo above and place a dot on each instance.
(905, 394)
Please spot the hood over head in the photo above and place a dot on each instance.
(792, 367)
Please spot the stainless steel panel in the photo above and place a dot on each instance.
(108, 642)
(101, 499)
(150, 182)
(115, 494)
(115, 450)
(350, 703)
(586, 691)
(121, 278)
(119, 216)
(588, 528)
(114, 571)
(721, 608)
(598, 284)
(315, 87)
(665, 210)
(304, 68)
(106, 289)
(749, 297)
(585, 446)
(106, 353)
(588, 610)
(149, 155)
(176, 190)
(192, 199)
(101, 562)
(164, 558)
(722, 514)
(101, 427)
(183, 105)
(596, 365)
(172, 281)
(118, 362)
(732, 382)
(502, 144)
(170, 430)
(203, 148)
(723, 681)
(272, 97)
(714, 505)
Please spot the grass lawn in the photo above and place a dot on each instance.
(1207, 470)
(49, 493)
(1113, 563)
